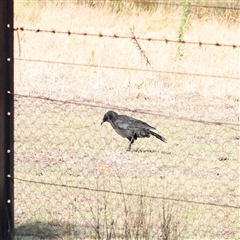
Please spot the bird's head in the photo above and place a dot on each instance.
(109, 116)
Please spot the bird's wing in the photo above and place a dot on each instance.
(126, 122)
(121, 124)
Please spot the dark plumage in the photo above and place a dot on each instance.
(129, 127)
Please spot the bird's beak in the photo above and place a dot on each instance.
(102, 122)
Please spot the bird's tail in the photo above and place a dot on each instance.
(157, 136)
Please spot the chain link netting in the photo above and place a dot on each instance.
(76, 180)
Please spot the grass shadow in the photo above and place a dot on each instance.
(44, 230)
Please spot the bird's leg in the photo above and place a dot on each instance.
(130, 144)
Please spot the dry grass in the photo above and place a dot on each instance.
(65, 81)
(63, 143)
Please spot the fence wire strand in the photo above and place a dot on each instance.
(102, 105)
(124, 193)
(127, 68)
(116, 36)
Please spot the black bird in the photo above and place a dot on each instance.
(129, 127)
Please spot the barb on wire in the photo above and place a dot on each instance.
(123, 193)
(128, 69)
(103, 105)
(166, 40)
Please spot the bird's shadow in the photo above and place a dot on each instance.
(140, 150)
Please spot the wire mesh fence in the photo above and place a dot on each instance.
(74, 178)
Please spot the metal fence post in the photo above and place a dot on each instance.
(6, 121)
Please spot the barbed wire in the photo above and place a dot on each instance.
(124, 193)
(127, 69)
(100, 35)
(103, 105)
